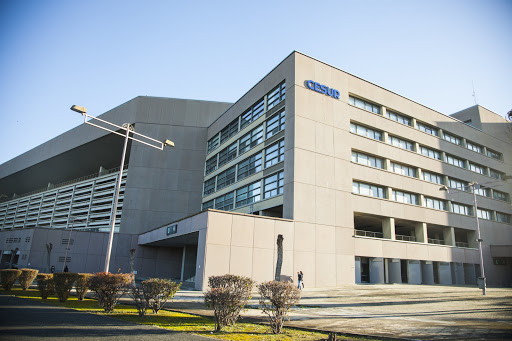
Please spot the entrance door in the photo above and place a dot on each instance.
(365, 270)
(403, 270)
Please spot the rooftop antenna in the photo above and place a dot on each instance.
(474, 94)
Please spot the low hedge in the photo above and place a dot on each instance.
(82, 285)
(27, 277)
(63, 284)
(45, 285)
(9, 277)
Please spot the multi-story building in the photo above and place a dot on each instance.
(351, 175)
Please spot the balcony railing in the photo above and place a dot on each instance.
(435, 241)
(370, 234)
(461, 244)
(405, 238)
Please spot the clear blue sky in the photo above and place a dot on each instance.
(100, 54)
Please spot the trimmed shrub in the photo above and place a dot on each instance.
(137, 293)
(63, 284)
(228, 294)
(158, 291)
(9, 277)
(109, 288)
(276, 299)
(27, 277)
(45, 285)
(82, 285)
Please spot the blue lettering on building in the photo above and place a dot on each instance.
(323, 89)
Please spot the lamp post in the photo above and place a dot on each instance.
(128, 129)
(474, 185)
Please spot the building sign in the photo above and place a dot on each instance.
(323, 89)
(173, 229)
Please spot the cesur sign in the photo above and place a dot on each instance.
(323, 89)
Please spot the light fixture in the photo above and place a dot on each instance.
(79, 109)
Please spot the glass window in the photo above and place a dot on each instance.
(477, 168)
(213, 143)
(367, 160)
(252, 114)
(249, 166)
(398, 117)
(398, 142)
(276, 95)
(452, 138)
(403, 169)
(227, 154)
(273, 185)
(431, 153)
(208, 204)
(496, 174)
(228, 131)
(458, 184)
(433, 177)
(460, 209)
(427, 128)
(436, 204)
(499, 195)
(493, 154)
(211, 165)
(484, 214)
(474, 147)
(251, 139)
(209, 186)
(482, 191)
(364, 104)
(226, 178)
(452, 160)
(225, 202)
(405, 197)
(275, 124)
(274, 154)
(367, 189)
(248, 194)
(502, 217)
(364, 131)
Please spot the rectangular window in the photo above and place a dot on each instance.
(364, 105)
(249, 166)
(431, 153)
(227, 154)
(398, 117)
(482, 191)
(400, 143)
(364, 131)
(502, 217)
(208, 204)
(452, 138)
(225, 202)
(252, 114)
(228, 131)
(477, 168)
(367, 160)
(460, 209)
(211, 165)
(213, 143)
(493, 154)
(209, 186)
(405, 197)
(274, 154)
(226, 178)
(276, 95)
(457, 184)
(436, 204)
(427, 128)
(273, 185)
(275, 124)
(484, 214)
(251, 139)
(433, 177)
(403, 169)
(499, 195)
(367, 189)
(452, 160)
(474, 147)
(248, 194)
(495, 174)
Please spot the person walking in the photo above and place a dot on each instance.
(300, 277)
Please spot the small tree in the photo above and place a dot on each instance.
(45, 285)
(276, 299)
(82, 285)
(63, 284)
(279, 262)
(228, 294)
(157, 291)
(109, 288)
(137, 293)
(27, 277)
(9, 277)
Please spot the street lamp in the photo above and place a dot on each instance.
(128, 128)
(474, 185)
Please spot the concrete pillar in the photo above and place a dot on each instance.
(427, 272)
(416, 147)
(420, 230)
(414, 271)
(387, 164)
(389, 193)
(445, 273)
(376, 270)
(469, 274)
(449, 235)
(472, 237)
(413, 122)
(388, 228)
(358, 269)
(383, 111)
(419, 173)
(385, 137)
(394, 271)
(421, 199)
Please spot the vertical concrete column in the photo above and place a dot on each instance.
(413, 122)
(414, 271)
(387, 164)
(416, 147)
(394, 271)
(420, 230)
(389, 193)
(385, 136)
(472, 237)
(463, 143)
(445, 273)
(358, 269)
(446, 180)
(422, 200)
(427, 272)
(383, 111)
(443, 156)
(376, 270)
(440, 132)
(419, 173)
(449, 235)
(388, 228)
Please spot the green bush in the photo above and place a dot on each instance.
(82, 285)
(276, 299)
(228, 294)
(9, 276)
(45, 285)
(63, 284)
(157, 291)
(137, 293)
(27, 277)
(109, 288)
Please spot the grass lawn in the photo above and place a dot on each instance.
(180, 322)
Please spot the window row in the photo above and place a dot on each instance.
(262, 189)
(275, 96)
(254, 137)
(253, 164)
